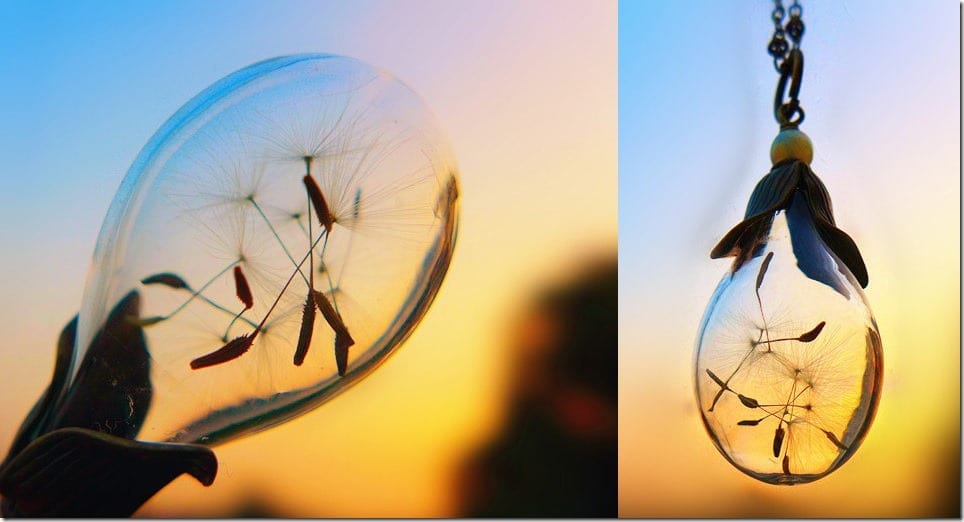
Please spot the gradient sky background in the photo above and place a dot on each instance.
(526, 92)
(881, 93)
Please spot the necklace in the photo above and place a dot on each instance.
(789, 358)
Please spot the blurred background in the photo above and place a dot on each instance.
(881, 90)
(493, 383)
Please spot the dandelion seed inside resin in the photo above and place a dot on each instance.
(302, 184)
(788, 358)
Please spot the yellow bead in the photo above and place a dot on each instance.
(791, 144)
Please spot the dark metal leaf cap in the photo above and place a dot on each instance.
(774, 193)
(68, 459)
(76, 472)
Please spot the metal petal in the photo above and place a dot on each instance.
(846, 249)
(817, 196)
(773, 191)
(112, 390)
(74, 472)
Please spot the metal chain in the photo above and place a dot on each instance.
(788, 61)
(778, 47)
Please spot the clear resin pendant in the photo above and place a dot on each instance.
(272, 244)
(788, 360)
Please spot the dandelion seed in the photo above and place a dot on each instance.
(318, 201)
(343, 342)
(812, 334)
(176, 282)
(243, 291)
(763, 270)
(749, 422)
(719, 394)
(308, 310)
(833, 438)
(786, 464)
(343, 339)
(715, 378)
(328, 312)
(778, 440)
(307, 326)
(759, 282)
(167, 279)
(230, 351)
(804, 338)
(242, 288)
(233, 349)
(748, 401)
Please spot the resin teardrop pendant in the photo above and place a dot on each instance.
(789, 360)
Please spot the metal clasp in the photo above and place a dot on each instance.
(785, 111)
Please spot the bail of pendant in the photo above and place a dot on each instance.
(788, 112)
(791, 142)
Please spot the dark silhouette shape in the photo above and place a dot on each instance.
(74, 455)
(74, 472)
(112, 390)
(556, 455)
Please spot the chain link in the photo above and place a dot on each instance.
(779, 47)
(784, 47)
